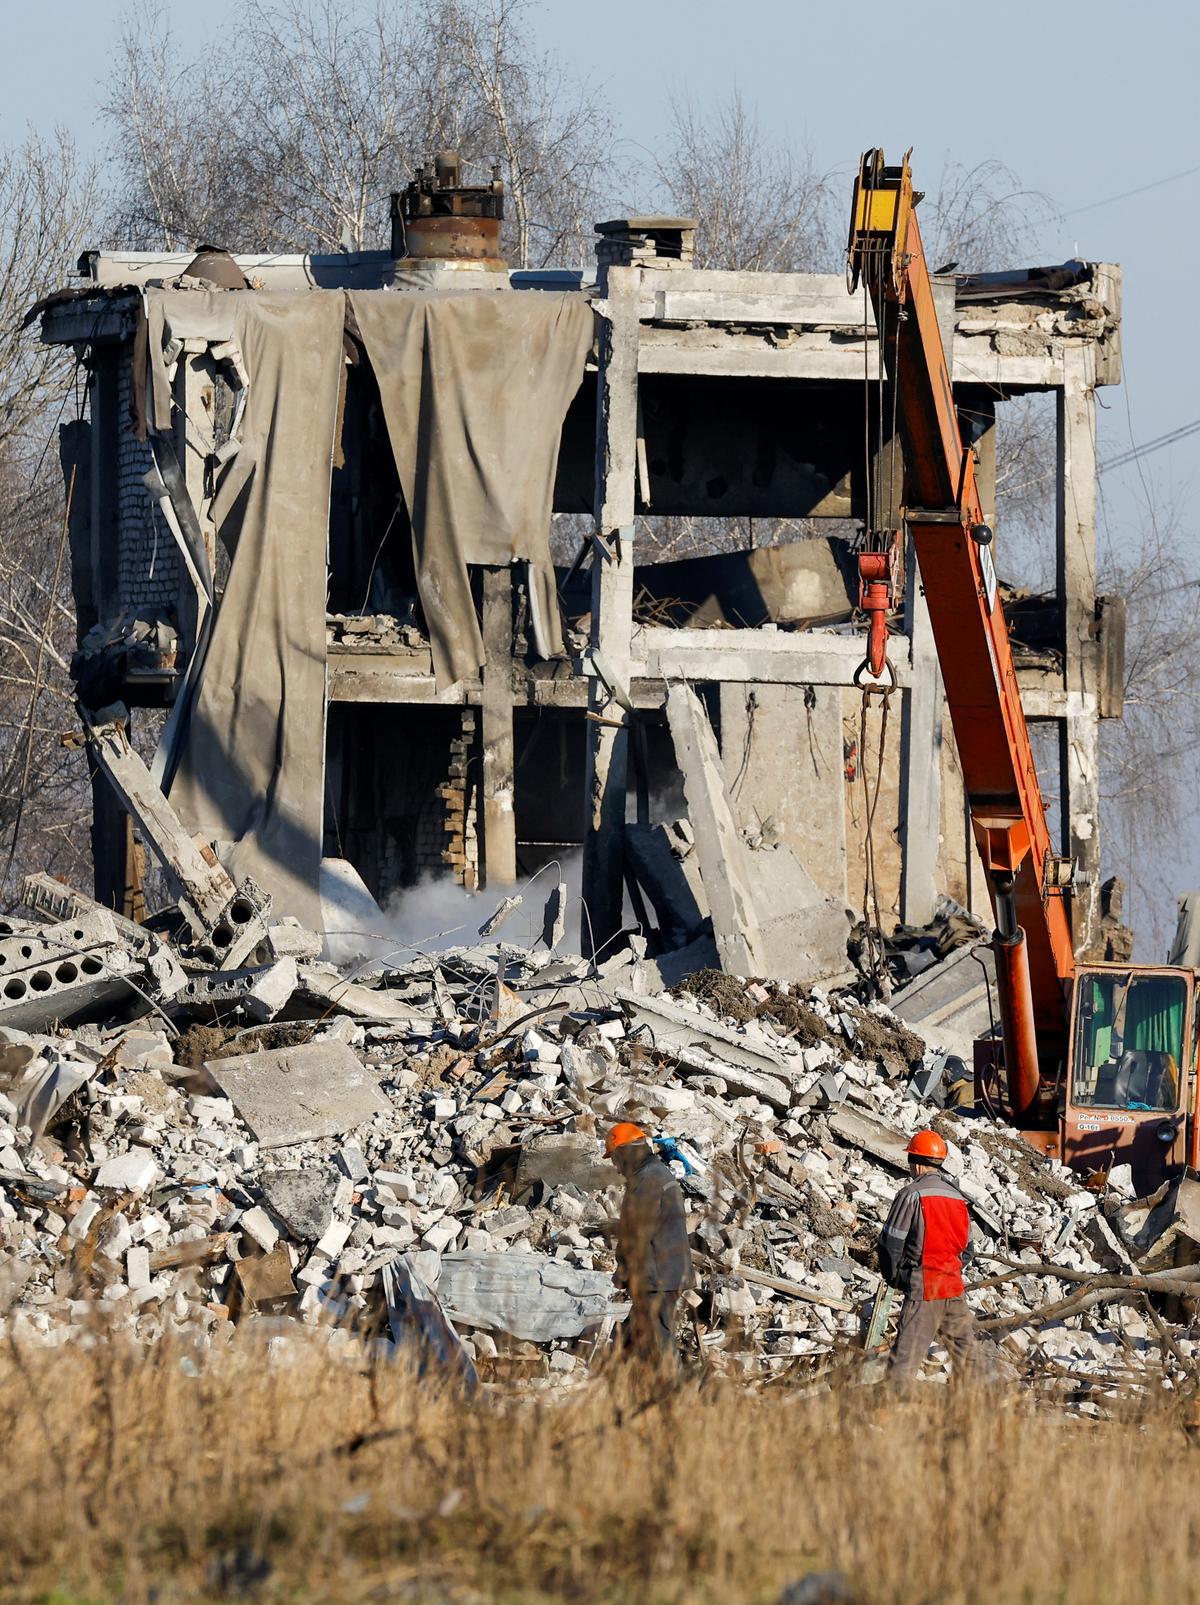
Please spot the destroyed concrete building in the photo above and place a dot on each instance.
(311, 519)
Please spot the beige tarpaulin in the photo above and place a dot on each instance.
(252, 768)
(475, 389)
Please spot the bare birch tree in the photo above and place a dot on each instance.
(296, 142)
(759, 205)
(47, 200)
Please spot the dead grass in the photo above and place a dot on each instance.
(301, 1476)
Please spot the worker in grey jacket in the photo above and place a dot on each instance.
(654, 1258)
(921, 1248)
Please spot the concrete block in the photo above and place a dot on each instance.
(209, 1111)
(133, 1171)
(584, 1068)
(315, 1272)
(291, 1095)
(271, 989)
(82, 1220)
(352, 1162)
(117, 1238)
(394, 1237)
(334, 1238)
(440, 1235)
(302, 1199)
(401, 1183)
(137, 1267)
(539, 1049)
(260, 1228)
(143, 1050)
(288, 939)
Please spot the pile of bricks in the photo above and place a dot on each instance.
(458, 794)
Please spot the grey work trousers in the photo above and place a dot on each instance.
(652, 1328)
(923, 1321)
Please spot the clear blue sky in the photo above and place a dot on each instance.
(1082, 102)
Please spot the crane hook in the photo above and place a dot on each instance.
(876, 599)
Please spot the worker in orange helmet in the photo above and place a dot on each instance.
(654, 1258)
(921, 1248)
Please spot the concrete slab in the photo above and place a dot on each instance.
(560, 1157)
(802, 932)
(672, 1025)
(668, 870)
(880, 1141)
(320, 1089)
(719, 846)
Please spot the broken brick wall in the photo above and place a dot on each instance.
(148, 565)
(401, 794)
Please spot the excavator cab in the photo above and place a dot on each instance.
(1130, 1083)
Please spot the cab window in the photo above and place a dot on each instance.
(1129, 1040)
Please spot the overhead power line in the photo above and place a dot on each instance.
(1144, 450)
(1127, 194)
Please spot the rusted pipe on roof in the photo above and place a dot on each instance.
(438, 218)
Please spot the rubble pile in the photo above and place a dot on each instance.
(375, 632)
(420, 1143)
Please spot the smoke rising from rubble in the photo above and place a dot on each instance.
(437, 913)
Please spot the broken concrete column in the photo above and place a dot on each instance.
(226, 920)
(720, 848)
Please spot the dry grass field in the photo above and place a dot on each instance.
(296, 1475)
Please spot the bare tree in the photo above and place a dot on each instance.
(178, 176)
(295, 142)
(552, 133)
(981, 218)
(759, 205)
(336, 114)
(47, 198)
(1150, 758)
(43, 806)
(47, 204)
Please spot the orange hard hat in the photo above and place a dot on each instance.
(624, 1131)
(927, 1145)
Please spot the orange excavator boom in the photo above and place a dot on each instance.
(953, 546)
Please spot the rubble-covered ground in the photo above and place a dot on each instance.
(415, 1149)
